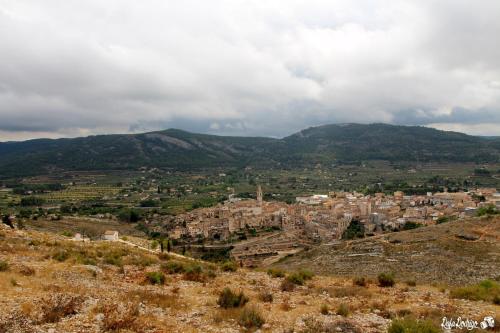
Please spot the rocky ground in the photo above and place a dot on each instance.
(457, 253)
(51, 284)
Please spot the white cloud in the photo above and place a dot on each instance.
(243, 67)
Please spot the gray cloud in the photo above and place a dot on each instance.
(246, 67)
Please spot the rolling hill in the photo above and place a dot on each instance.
(183, 150)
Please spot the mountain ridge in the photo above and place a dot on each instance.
(179, 149)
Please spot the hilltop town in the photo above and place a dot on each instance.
(276, 228)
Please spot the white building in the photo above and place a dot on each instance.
(111, 235)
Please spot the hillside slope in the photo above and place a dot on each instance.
(429, 254)
(183, 150)
(51, 284)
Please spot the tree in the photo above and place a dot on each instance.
(129, 215)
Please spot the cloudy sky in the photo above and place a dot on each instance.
(72, 68)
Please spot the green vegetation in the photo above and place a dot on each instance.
(411, 225)
(410, 325)
(251, 317)
(193, 272)
(443, 219)
(4, 266)
(386, 280)
(60, 255)
(229, 266)
(155, 278)
(486, 290)
(229, 299)
(276, 272)
(353, 143)
(343, 310)
(324, 309)
(487, 210)
(129, 215)
(300, 277)
(174, 267)
(354, 230)
(31, 201)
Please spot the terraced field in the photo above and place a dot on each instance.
(81, 193)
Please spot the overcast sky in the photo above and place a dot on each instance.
(72, 68)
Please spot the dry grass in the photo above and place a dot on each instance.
(58, 306)
(117, 291)
(157, 299)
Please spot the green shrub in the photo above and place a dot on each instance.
(251, 317)
(487, 210)
(343, 310)
(60, 255)
(324, 310)
(295, 278)
(229, 266)
(486, 290)
(275, 272)
(4, 266)
(155, 278)
(359, 281)
(306, 274)
(194, 272)
(386, 280)
(174, 267)
(228, 299)
(113, 258)
(409, 325)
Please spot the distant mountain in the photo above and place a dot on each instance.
(183, 150)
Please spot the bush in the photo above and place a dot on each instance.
(194, 272)
(343, 310)
(295, 278)
(306, 274)
(174, 267)
(4, 266)
(228, 299)
(386, 280)
(26, 270)
(229, 266)
(300, 277)
(155, 278)
(251, 317)
(487, 210)
(287, 285)
(409, 325)
(411, 283)
(486, 290)
(129, 215)
(164, 256)
(275, 272)
(324, 310)
(56, 307)
(266, 296)
(359, 281)
(60, 255)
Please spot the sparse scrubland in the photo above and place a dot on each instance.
(48, 282)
